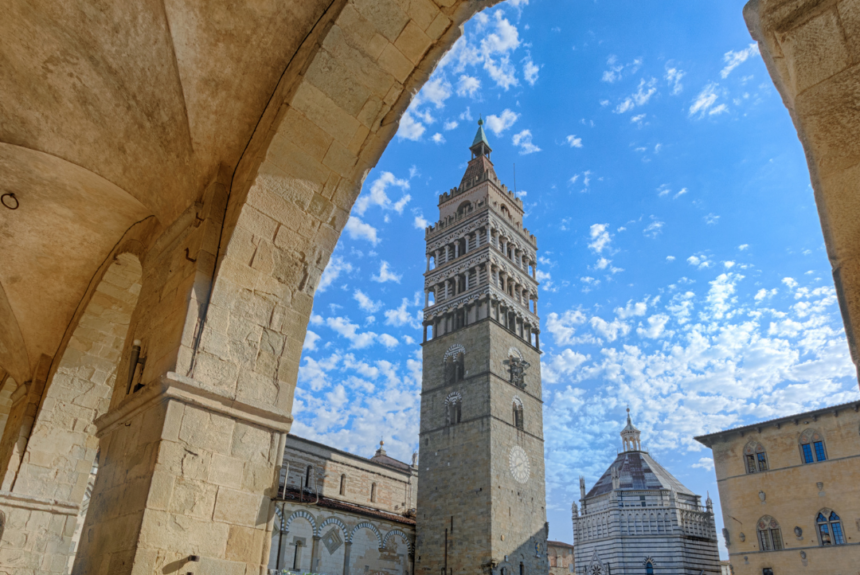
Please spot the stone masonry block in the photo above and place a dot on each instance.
(413, 42)
(193, 497)
(422, 12)
(815, 50)
(323, 112)
(204, 430)
(385, 15)
(237, 507)
(396, 63)
(244, 544)
(340, 159)
(333, 78)
(226, 471)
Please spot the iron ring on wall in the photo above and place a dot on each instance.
(7, 203)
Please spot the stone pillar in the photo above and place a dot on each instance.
(468, 272)
(347, 548)
(315, 554)
(426, 298)
(428, 262)
(456, 249)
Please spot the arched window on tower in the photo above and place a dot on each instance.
(829, 528)
(649, 568)
(812, 446)
(453, 411)
(343, 484)
(373, 492)
(518, 413)
(755, 457)
(769, 535)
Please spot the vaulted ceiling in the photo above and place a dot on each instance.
(113, 112)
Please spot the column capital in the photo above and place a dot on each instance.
(187, 390)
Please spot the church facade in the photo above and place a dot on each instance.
(639, 519)
(481, 505)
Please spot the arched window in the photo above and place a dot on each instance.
(812, 446)
(297, 558)
(522, 569)
(343, 484)
(755, 457)
(309, 476)
(829, 528)
(769, 536)
(453, 404)
(455, 366)
(649, 568)
(373, 492)
(518, 413)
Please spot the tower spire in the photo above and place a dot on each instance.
(630, 435)
(480, 145)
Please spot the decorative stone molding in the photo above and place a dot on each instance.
(187, 390)
(303, 514)
(453, 351)
(53, 506)
(402, 535)
(366, 525)
(333, 521)
(439, 275)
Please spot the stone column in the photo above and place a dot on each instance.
(315, 554)
(456, 249)
(468, 271)
(428, 262)
(347, 548)
(426, 298)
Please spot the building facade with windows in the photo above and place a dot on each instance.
(639, 519)
(338, 513)
(482, 502)
(560, 557)
(790, 492)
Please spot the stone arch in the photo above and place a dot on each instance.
(366, 525)
(810, 435)
(454, 351)
(333, 521)
(402, 535)
(86, 376)
(304, 515)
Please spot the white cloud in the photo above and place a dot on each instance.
(632, 309)
(733, 59)
(450, 125)
(764, 294)
(498, 124)
(438, 138)
(670, 258)
(790, 282)
(673, 79)
(653, 229)
(610, 331)
(743, 247)
(365, 302)
(706, 463)
(420, 222)
(400, 316)
(720, 297)
(701, 261)
(638, 119)
(336, 266)
(359, 230)
(524, 141)
(600, 237)
(680, 193)
(410, 128)
(386, 275)
(563, 327)
(388, 341)
(377, 194)
(656, 327)
(310, 342)
(711, 219)
(435, 91)
(705, 100)
(343, 327)
(530, 71)
(467, 86)
(681, 306)
(613, 74)
(574, 142)
(643, 93)
(562, 364)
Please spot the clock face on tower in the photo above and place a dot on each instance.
(519, 461)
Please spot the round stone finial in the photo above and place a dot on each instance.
(480, 121)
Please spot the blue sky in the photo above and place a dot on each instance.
(682, 264)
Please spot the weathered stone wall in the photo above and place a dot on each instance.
(396, 490)
(792, 493)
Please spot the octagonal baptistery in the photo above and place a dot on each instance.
(640, 519)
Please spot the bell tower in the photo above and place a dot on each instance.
(481, 497)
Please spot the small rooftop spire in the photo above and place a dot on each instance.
(480, 145)
(630, 435)
(380, 451)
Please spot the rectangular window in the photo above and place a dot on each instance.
(750, 464)
(767, 571)
(838, 538)
(819, 451)
(762, 462)
(807, 453)
(763, 540)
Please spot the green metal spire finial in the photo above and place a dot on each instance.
(480, 137)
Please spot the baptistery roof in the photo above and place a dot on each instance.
(637, 471)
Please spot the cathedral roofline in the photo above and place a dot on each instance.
(402, 468)
(712, 438)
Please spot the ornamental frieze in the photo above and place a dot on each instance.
(456, 233)
(461, 267)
